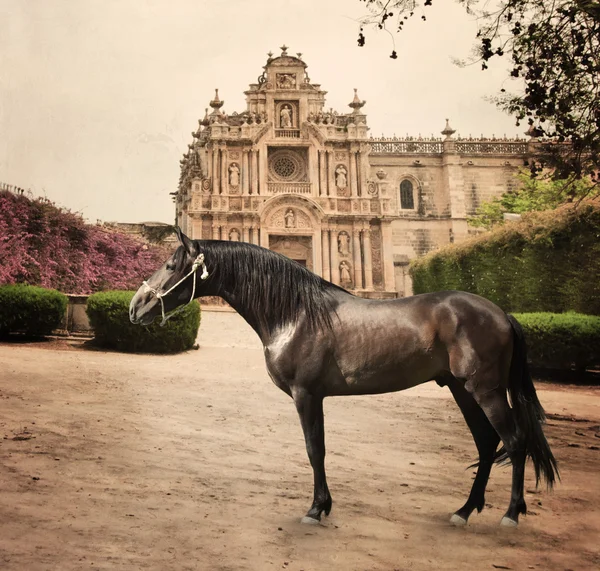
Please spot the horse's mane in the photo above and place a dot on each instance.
(276, 290)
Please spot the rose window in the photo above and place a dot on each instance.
(284, 167)
(287, 166)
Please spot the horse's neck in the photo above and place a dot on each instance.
(247, 313)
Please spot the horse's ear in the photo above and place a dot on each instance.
(184, 240)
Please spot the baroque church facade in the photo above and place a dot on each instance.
(311, 184)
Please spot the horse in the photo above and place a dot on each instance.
(321, 341)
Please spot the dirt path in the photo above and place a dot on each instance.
(197, 462)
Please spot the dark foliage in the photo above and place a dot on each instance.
(109, 316)
(32, 310)
(549, 261)
(561, 341)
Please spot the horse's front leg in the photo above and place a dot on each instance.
(310, 410)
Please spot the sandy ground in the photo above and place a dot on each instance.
(197, 461)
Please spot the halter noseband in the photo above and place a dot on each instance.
(199, 261)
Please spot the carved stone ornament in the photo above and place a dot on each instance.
(345, 273)
(285, 117)
(234, 175)
(340, 156)
(289, 219)
(234, 235)
(341, 181)
(206, 185)
(381, 174)
(234, 155)
(372, 189)
(344, 243)
(286, 80)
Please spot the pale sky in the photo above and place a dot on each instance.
(98, 98)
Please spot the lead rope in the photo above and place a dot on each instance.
(199, 261)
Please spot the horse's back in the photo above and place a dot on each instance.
(388, 345)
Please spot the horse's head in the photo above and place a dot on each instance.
(176, 283)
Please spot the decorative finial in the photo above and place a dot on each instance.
(448, 131)
(284, 49)
(356, 104)
(216, 103)
(270, 55)
(299, 55)
(206, 121)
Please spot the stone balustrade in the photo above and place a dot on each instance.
(289, 187)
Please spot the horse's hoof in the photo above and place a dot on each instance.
(309, 520)
(458, 521)
(508, 522)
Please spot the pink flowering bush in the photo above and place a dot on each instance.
(42, 244)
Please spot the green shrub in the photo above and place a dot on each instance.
(109, 316)
(561, 340)
(548, 261)
(30, 309)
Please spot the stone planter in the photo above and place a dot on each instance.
(75, 321)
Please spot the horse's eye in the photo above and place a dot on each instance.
(170, 266)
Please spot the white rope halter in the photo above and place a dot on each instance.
(199, 261)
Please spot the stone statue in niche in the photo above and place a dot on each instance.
(234, 174)
(285, 116)
(340, 177)
(345, 277)
(290, 219)
(343, 243)
(234, 235)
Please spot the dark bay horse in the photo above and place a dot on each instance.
(319, 340)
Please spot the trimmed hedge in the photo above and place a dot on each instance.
(109, 315)
(561, 340)
(32, 310)
(548, 261)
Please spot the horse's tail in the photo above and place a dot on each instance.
(528, 412)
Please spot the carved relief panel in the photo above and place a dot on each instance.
(289, 220)
(285, 80)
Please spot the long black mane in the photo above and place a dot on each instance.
(275, 289)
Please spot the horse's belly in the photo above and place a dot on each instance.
(377, 378)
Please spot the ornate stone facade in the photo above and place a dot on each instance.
(311, 184)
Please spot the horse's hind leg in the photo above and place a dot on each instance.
(494, 404)
(486, 440)
(310, 410)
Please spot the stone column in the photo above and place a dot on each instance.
(215, 170)
(331, 177)
(357, 259)
(261, 173)
(245, 177)
(216, 229)
(255, 236)
(326, 273)
(368, 259)
(322, 174)
(246, 230)
(334, 259)
(387, 255)
(209, 162)
(364, 168)
(254, 172)
(224, 173)
(353, 190)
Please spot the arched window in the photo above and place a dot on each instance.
(407, 200)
